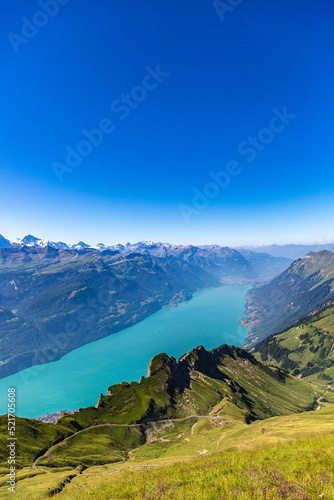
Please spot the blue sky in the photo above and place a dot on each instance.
(199, 83)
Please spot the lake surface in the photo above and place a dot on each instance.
(210, 318)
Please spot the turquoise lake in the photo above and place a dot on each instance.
(210, 318)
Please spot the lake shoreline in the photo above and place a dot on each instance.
(210, 318)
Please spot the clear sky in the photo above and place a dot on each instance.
(215, 121)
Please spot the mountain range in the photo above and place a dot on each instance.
(217, 260)
(53, 301)
(84, 294)
(290, 251)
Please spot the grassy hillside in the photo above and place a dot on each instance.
(141, 439)
(306, 349)
(301, 470)
(174, 396)
(287, 457)
(306, 287)
(35, 437)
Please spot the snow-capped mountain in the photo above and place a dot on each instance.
(149, 247)
(79, 246)
(32, 241)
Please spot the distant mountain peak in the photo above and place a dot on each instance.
(30, 239)
(81, 245)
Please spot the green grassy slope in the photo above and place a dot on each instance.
(163, 405)
(34, 438)
(306, 349)
(286, 457)
(301, 470)
(96, 445)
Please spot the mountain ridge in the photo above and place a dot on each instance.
(306, 287)
(199, 385)
(222, 261)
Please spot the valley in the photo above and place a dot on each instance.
(255, 417)
(54, 299)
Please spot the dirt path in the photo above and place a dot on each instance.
(320, 398)
(192, 429)
(116, 425)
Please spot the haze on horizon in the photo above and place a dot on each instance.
(153, 122)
